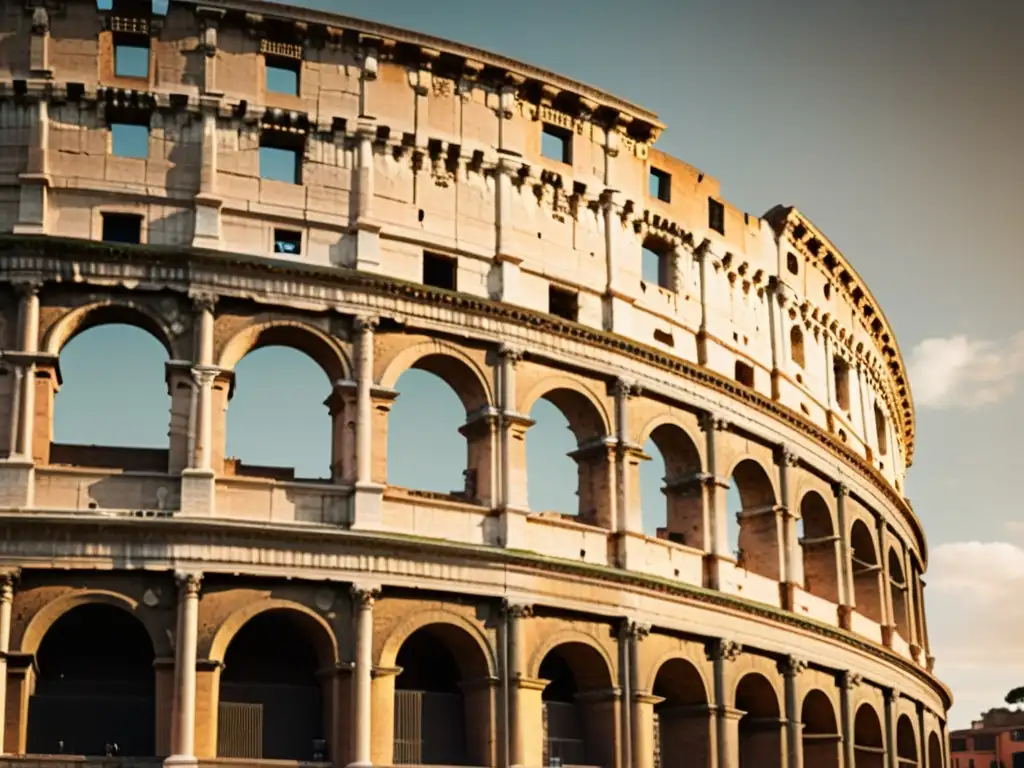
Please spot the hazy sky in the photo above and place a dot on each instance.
(896, 127)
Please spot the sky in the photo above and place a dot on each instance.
(896, 127)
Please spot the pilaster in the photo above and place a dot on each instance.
(363, 597)
(505, 275)
(792, 667)
(618, 304)
(7, 579)
(847, 601)
(184, 729)
(368, 497)
(716, 537)
(723, 653)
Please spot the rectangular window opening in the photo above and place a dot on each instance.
(881, 432)
(129, 138)
(556, 143)
(745, 373)
(841, 371)
(280, 158)
(563, 303)
(658, 266)
(131, 56)
(282, 75)
(288, 241)
(716, 216)
(440, 271)
(122, 228)
(659, 185)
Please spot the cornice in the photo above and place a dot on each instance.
(59, 260)
(75, 527)
(801, 231)
(379, 33)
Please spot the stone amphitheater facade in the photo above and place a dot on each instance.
(444, 209)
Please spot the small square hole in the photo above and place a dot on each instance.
(440, 271)
(122, 228)
(282, 75)
(716, 216)
(131, 58)
(556, 143)
(563, 303)
(129, 140)
(744, 373)
(659, 185)
(279, 161)
(287, 241)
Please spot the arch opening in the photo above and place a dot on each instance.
(552, 456)
(796, 346)
(671, 493)
(759, 547)
(820, 548)
(96, 688)
(898, 589)
(906, 743)
(442, 699)
(867, 573)
(869, 748)
(934, 750)
(442, 400)
(821, 738)
(280, 390)
(760, 727)
(111, 409)
(681, 736)
(271, 698)
(577, 725)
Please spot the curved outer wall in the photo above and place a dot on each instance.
(430, 225)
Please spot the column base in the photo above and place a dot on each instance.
(512, 528)
(712, 570)
(198, 492)
(845, 617)
(17, 483)
(367, 507)
(787, 595)
(181, 761)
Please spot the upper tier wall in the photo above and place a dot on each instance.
(405, 144)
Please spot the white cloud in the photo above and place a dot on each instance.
(960, 372)
(976, 622)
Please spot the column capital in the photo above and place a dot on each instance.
(27, 287)
(366, 323)
(840, 490)
(625, 388)
(787, 457)
(850, 680)
(203, 301)
(636, 630)
(792, 666)
(712, 422)
(189, 582)
(363, 596)
(203, 375)
(723, 650)
(510, 353)
(515, 610)
(7, 580)
(892, 695)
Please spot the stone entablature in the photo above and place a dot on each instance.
(396, 132)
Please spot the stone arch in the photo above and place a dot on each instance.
(760, 727)
(906, 742)
(589, 423)
(580, 726)
(46, 616)
(866, 571)
(462, 375)
(444, 703)
(934, 750)
(113, 311)
(868, 742)
(759, 542)
(682, 714)
(588, 418)
(822, 742)
(94, 683)
(820, 547)
(305, 338)
(682, 515)
(898, 589)
(319, 630)
(448, 362)
(467, 636)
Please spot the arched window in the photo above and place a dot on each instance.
(758, 530)
(867, 586)
(822, 741)
(683, 737)
(671, 494)
(868, 746)
(796, 345)
(820, 548)
(579, 726)
(760, 729)
(96, 686)
(898, 590)
(906, 743)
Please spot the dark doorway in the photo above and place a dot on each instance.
(96, 686)
(270, 697)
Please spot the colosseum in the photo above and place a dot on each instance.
(385, 201)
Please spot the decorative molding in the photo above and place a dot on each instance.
(189, 583)
(363, 597)
(792, 666)
(516, 610)
(366, 323)
(723, 650)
